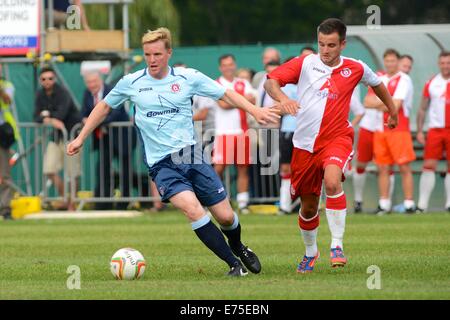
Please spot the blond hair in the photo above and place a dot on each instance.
(158, 34)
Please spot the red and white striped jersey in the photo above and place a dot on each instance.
(232, 121)
(400, 87)
(437, 89)
(324, 95)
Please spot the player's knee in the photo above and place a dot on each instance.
(308, 211)
(405, 168)
(332, 187)
(193, 211)
(226, 220)
(429, 168)
(383, 170)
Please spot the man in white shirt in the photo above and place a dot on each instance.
(232, 145)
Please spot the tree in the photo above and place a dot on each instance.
(143, 15)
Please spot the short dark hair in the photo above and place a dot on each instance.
(390, 51)
(309, 49)
(226, 56)
(407, 56)
(332, 25)
(47, 69)
(444, 53)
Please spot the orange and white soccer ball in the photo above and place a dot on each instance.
(127, 264)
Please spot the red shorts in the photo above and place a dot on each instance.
(232, 149)
(308, 168)
(365, 146)
(438, 141)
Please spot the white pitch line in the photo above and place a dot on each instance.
(82, 215)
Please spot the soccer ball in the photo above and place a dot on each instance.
(127, 264)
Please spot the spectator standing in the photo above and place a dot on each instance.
(110, 142)
(269, 54)
(8, 134)
(55, 107)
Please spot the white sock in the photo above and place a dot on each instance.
(242, 199)
(385, 204)
(310, 240)
(447, 189)
(285, 195)
(359, 181)
(391, 185)
(336, 223)
(426, 186)
(408, 204)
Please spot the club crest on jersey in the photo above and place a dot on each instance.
(175, 87)
(346, 72)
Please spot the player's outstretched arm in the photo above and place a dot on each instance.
(262, 115)
(98, 114)
(424, 104)
(287, 105)
(373, 102)
(386, 98)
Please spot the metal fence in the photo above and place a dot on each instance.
(112, 171)
(114, 175)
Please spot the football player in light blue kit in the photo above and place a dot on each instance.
(163, 116)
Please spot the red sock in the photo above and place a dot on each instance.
(338, 202)
(308, 224)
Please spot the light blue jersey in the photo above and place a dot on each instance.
(289, 122)
(163, 108)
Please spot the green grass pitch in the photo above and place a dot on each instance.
(412, 252)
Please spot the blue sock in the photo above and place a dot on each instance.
(211, 236)
(233, 234)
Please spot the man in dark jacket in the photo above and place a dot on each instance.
(111, 142)
(55, 107)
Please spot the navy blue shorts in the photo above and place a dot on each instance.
(199, 177)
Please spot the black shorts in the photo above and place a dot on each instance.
(286, 147)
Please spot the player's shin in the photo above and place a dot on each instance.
(447, 190)
(211, 236)
(308, 229)
(426, 186)
(285, 193)
(336, 211)
(242, 199)
(359, 181)
(233, 233)
(391, 184)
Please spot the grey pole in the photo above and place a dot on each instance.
(111, 16)
(42, 33)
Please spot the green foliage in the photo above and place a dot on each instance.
(206, 22)
(143, 15)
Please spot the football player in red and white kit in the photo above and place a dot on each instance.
(436, 99)
(323, 139)
(232, 142)
(394, 146)
(364, 152)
